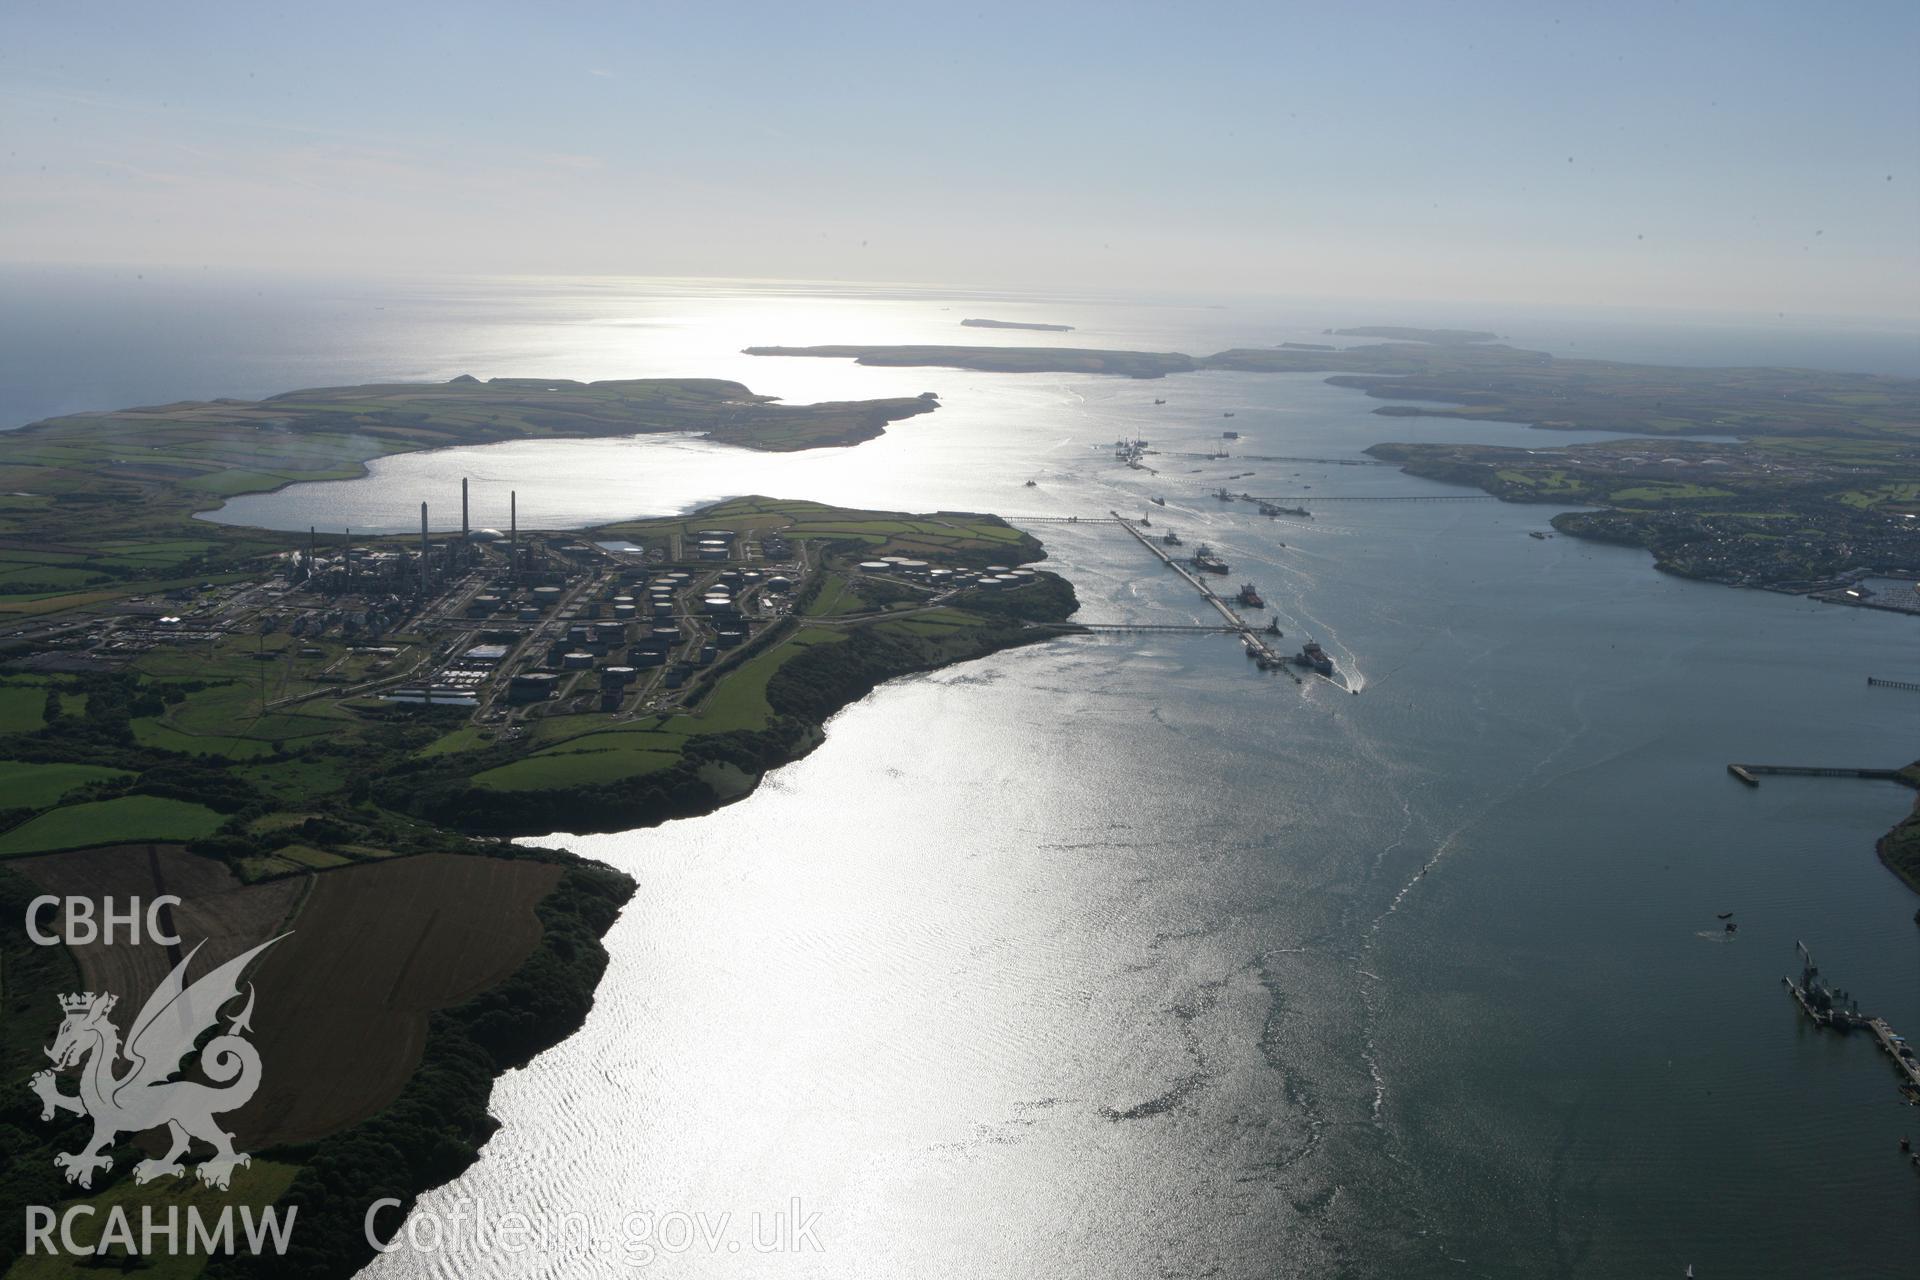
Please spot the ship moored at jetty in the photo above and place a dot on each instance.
(1313, 657)
(1171, 539)
(1206, 561)
(1250, 596)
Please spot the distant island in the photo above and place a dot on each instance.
(1017, 324)
(1401, 333)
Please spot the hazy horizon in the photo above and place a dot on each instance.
(1730, 159)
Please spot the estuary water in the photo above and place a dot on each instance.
(1113, 957)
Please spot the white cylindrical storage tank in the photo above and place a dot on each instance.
(874, 566)
(577, 661)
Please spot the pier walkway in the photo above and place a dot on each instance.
(1909, 685)
(1755, 771)
(1303, 498)
(1256, 643)
(1837, 1018)
(1188, 628)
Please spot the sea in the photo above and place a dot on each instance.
(1113, 956)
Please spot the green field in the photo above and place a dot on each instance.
(35, 786)
(22, 707)
(121, 821)
(579, 767)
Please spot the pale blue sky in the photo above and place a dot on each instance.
(1725, 155)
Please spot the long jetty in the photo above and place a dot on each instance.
(1909, 685)
(1836, 1018)
(1374, 497)
(1255, 642)
(1751, 773)
(1275, 457)
(1187, 628)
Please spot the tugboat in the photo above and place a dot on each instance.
(1159, 502)
(1312, 655)
(1170, 538)
(1250, 596)
(1206, 561)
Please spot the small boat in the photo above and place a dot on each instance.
(1032, 483)
(1229, 435)
(1159, 502)
(1159, 401)
(1227, 414)
(1146, 521)
(1535, 533)
(1724, 915)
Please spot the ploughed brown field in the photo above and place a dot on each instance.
(214, 906)
(342, 1004)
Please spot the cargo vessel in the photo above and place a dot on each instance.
(1312, 656)
(1206, 561)
(1171, 539)
(1250, 596)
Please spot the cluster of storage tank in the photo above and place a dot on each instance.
(994, 576)
(714, 544)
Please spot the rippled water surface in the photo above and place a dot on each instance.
(1113, 957)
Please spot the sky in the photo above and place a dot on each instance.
(1746, 157)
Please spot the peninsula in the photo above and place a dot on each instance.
(335, 737)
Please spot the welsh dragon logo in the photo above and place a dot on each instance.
(145, 1095)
